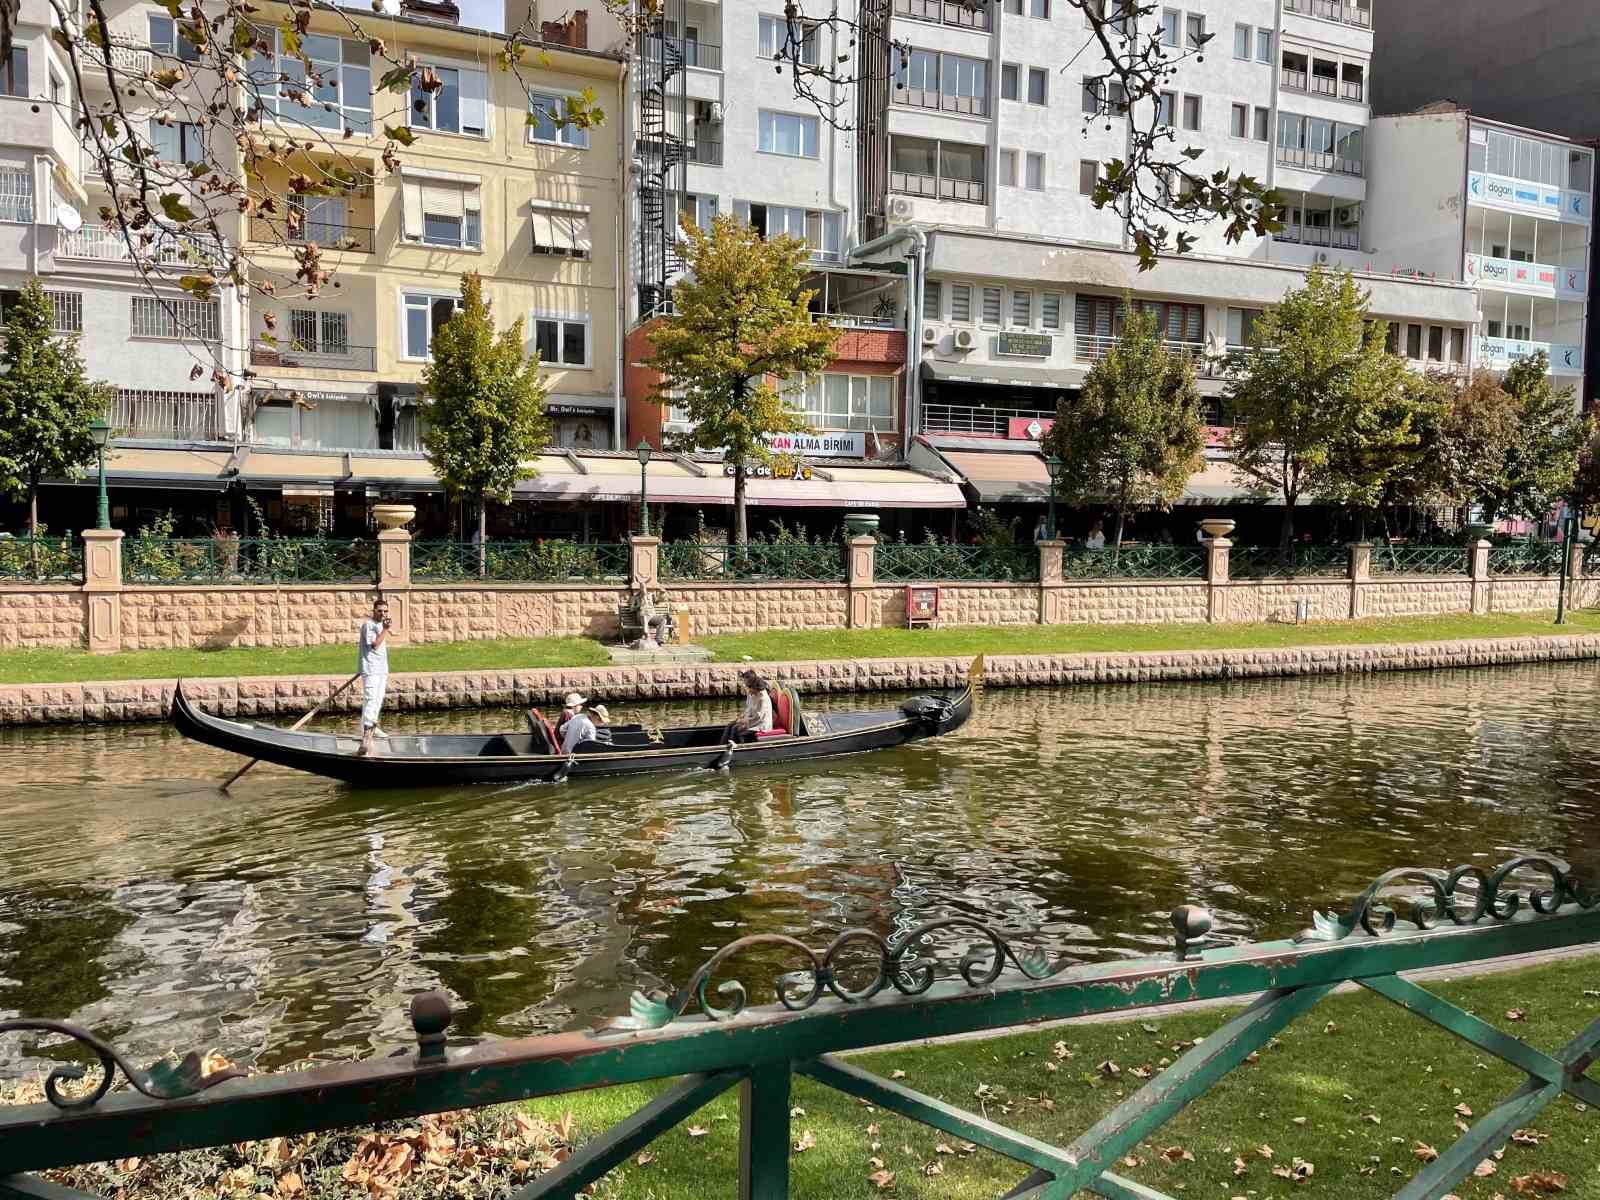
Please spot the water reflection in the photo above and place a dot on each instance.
(294, 916)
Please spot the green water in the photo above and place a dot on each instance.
(295, 917)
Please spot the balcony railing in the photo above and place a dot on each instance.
(126, 60)
(1331, 10)
(1294, 80)
(1521, 275)
(108, 245)
(978, 422)
(857, 321)
(1353, 89)
(327, 234)
(975, 106)
(325, 357)
(1092, 347)
(1320, 235)
(1319, 160)
(1499, 353)
(910, 183)
(944, 12)
(705, 152)
(1324, 85)
(159, 417)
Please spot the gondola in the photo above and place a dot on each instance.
(436, 759)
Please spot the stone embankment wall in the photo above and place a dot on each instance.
(147, 700)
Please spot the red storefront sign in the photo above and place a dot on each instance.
(1028, 429)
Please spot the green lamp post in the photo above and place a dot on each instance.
(1056, 468)
(100, 432)
(643, 451)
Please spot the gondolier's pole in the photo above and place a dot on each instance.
(326, 700)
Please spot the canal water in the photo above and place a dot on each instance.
(294, 916)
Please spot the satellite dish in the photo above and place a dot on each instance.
(68, 218)
(389, 8)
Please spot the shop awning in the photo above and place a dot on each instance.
(194, 470)
(1002, 478)
(1001, 375)
(674, 481)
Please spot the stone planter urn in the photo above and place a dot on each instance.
(394, 516)
(861, 524)
(1217, 527)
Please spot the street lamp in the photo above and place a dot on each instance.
(1057, 469)
(100, 433)
(643, 451)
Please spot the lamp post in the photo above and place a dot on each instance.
(643, 451)
(1055, 466)
(100, 432)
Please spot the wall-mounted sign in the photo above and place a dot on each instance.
(819, 445)
(1030, 345)
(577, 410)
(922, 606)
(775, 471)
(1028, 429)
(1563, 204)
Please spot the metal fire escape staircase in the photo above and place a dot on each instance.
(662, 153)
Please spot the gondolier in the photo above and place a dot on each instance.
(373, 664)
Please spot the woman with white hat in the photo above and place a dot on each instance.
(574, 725)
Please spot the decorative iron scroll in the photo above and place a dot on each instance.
(980, 966)
(1442, 896)
(164, 1080)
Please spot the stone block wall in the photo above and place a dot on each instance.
(1127, 603)
(748, 607)
(45, 616)
(1401, 597)
(1521, 593)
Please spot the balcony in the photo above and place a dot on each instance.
(322, 357)
(164, 417)
(273, 230)
(908, 183)
(1499, 353)
(984, 422)
(1092, 347)
(1319, 160)
(109, 245)
(1332, 10)
(705, 153)
(1319, 235)
(126, 60)
(1518, 275)
(1293, 80)
(971, 106)
(944, 12)
(1353, 89)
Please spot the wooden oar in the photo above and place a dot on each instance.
(326, 700)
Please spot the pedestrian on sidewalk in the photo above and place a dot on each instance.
(373, 663)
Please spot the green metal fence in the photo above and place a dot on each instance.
(1526, 558)
(788, 561)
(1298, 562)
(953, 976)
(45, 559)
(1135, 562)
(926, 562)
(248, 560)
(1419, 560)
(551, 561)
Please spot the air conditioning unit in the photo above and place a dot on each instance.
(966, 339)
(1321, 256)
(930, 336)
(900, 208)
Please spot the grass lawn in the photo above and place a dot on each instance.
(786, 645)
(1359, 1089)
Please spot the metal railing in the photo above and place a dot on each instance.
(1319, 160)
(331, 235)
(1331, 10)
(705, 152)
(707, 56)
(48, 558)
(980, 422)
(1135, 562)
(1353, 89)
(1320, 235)
(1294, 80)
(784, 561)
(927, 562)
(1324, 85)
(248, 560)
(872, 987)
(322, 356)
(1526, 558)
(1092, 347)
(164, 416)
(912, 183)
(1298, 562)
(108, 245)
(974, 106)
(945, 12)
(857, 321)
(1420, 560)
(550, 561)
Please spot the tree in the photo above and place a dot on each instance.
(741, 322)
(1134, 436)
(1476, 434)
(46, 403)
(1310, 405)
(484, 404)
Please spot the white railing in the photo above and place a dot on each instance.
(128, 60)
(856, 321)
(1499, 353)
(1092, 347)
(1526, 276)
(109, 245)
(1320, 235)
(1331, 10)
(1319, 160)
(164, 416)
(979, 422)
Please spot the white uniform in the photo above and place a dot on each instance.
(373, 663)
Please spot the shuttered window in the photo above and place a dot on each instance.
(991, 306)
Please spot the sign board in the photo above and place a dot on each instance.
(1028, 429)
(819, 445)
(1542, 199)
(577, 410)
(1029, 345)
(777, 471)
(922, 605)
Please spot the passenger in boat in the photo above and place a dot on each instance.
(373, 663)
(577, 727)
(601, 716)
(757, 715)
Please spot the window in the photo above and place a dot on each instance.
(1262, 130)
(1010, 81)
(822, 231)
(699, 210)
(178, 142)
(1014, 7)
(341, 100)
(1241, 41)
(1241, 325)
(1579, 173)
(778, 39)
(942, 170)
(1008, 168)
(16, 72)
(1264, 45)
(1021, 309)
(1191, 112)
(154, 317)
(788, 133)
(961, 302)
(16, 195)
(1101, 317)
(543, 110)
(930, 299)
(66, 309)
(321, 219)
(1088, 175)
(1050, 310)
(562, 341)
(425, 315)
(1195, 27)
(563, 229)
(1037, 86)
(965, 84)
(991, 306)
(1241, 121)
(1413, 341)
(1167, 107)
(1458, 345)
(319, 332)
(1435, 343)
(1091, 96)
(1035, 169)
(830, 401)
(167, 38)
(1039, 9)
(441, 209)
(460, 105)
(1170, 19)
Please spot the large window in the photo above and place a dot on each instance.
(339, 99)
(1552, 163)
(1242, 325)
(14, 72)
(154, 317)
(166, 37)
(822, 231)
(1317, 144)
(699, 210)
(951, 82)
(16, 195)
(425, 315)
(562, 341)
(562, 229)
(460, 104)
(833, 402)
(322, 219)
(1101, 317)
(178, 142)
(66, 309)
(330, 424)
(441, 209)
(788, 133)
(778, 37)
(317, 332)
(939, 170)
(1038, 86)
(543, 109)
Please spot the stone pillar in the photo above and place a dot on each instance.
(861, 563)
(102, 589)
(644, 563)
(1574, 561)
(1478, 569)
(1360, 573)
(394, 577)
(1217, 578)
(1050, 581)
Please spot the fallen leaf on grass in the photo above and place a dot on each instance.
(1240, 1166)
(1539, 1183)
(698, 1131)
(933, 1168)
(1516, 1014)
(1330, 1027)
(883, 1180)
(645, 1158)
(1527, 1137)
(1485, 1169)
(1131, 1161)
(1109, 1069)
(1463, 1110)
(1177, 1154)
(1264, 1150)
(806, 1142)
(1298, 1120)
(1462, 1126)
(872, 1131)
(875, 1162)
(897, 1074)
(942, 1148)
(1060, 1050)
(1299, 1170)
(1373, 1118)
(797, 1112)
(290, 1184)
(1424, 1152)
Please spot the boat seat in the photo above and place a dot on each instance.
(544, 733)
(782, 715)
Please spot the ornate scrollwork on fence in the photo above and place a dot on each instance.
(164, 1080)
(1442, 895)
(983, 963)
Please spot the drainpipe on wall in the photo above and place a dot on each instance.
(918, 257)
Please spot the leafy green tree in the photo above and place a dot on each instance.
(1312, 409)
(46, 402)
(1543, 459)
(741, 328)
(484, 404)
(1476, 432)
(1134, 436)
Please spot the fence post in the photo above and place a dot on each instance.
(1050, 550)
(394, 577)
(764, 1133)
(1478, 569)
(644, 562)
(1217, 578)
(102, 590)
(861, 565)
(1360, 573)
